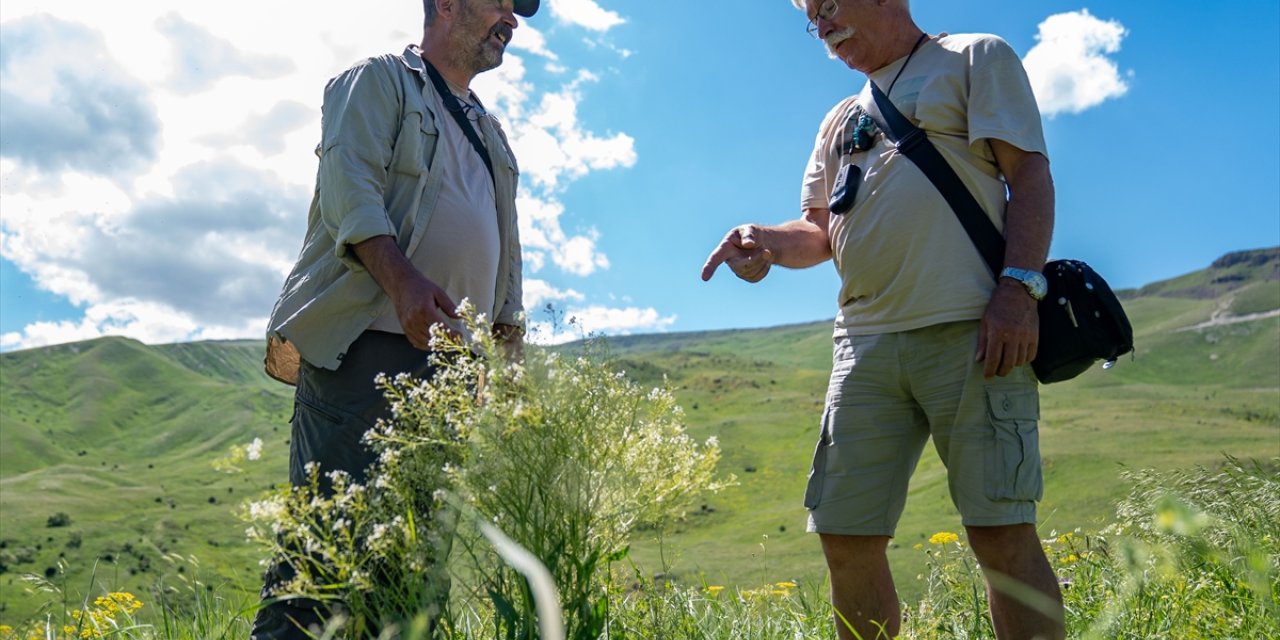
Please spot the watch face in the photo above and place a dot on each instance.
(1035, 283)
(1037, 286)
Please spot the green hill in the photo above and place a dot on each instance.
(107, 446)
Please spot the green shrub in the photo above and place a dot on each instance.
(563, 454)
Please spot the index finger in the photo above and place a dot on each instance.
(713, 262)
(732, 242)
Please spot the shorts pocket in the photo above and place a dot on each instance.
(1013, 460)
(818, 472)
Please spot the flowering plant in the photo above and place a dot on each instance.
(560, 452)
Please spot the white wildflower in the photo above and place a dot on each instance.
(269, 510)
(255, 449)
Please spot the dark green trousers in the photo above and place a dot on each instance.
(332, 410)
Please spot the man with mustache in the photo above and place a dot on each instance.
(414, 210)
(928, 342)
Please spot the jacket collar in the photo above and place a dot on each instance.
(412, 58)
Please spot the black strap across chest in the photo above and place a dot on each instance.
(912, 142)
(458, 111)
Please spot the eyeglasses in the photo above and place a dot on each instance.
(825, 12)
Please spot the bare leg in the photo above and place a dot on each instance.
(862, 588)
(1013, 559)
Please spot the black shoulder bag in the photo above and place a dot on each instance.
(1081, 320)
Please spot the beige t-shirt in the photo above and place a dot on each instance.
(903, 258)
(459, 250)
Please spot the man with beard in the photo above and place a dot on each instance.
(928, 342)
(414, 210)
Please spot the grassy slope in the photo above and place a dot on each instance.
(120, 436)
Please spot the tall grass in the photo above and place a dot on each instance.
(1191, 554)
(568, 458)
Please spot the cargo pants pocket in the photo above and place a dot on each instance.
(1013, 470)
(818, 472)
(328, 436)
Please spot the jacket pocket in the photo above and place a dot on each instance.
(415, 145)
(1013, 460)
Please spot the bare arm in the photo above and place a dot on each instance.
(419, 302)
(751, 250)
(1009, 336)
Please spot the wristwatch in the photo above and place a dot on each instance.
(1033, 281)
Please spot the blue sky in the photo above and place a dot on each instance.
(154, 177)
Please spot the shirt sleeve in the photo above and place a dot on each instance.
(359, 123)
(1002, 104)
(815, 193)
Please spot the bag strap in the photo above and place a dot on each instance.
(912, 142)
(456, 109)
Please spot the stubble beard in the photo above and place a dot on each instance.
(477, 57)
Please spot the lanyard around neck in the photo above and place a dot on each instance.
(919, 41)
(455, 109)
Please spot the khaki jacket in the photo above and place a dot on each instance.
(380, 123)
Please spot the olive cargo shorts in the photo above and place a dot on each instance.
(888, 394)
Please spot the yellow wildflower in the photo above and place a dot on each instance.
(943, 537)
(93, 622)
(714, 589)
(118, 601)
(786, 584)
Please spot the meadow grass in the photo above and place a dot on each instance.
(1191, 554)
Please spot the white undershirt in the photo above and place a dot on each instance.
(460, 248)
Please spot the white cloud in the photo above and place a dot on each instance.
(1069, 68)
(62, 114)
(575, 323)
(527, 38)
(549, 141)
(539, 293)
(541, 236)
(553, 150)
(147, 321)
(178, 218)
(578, 255)
(585, 13)
(203, 57)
